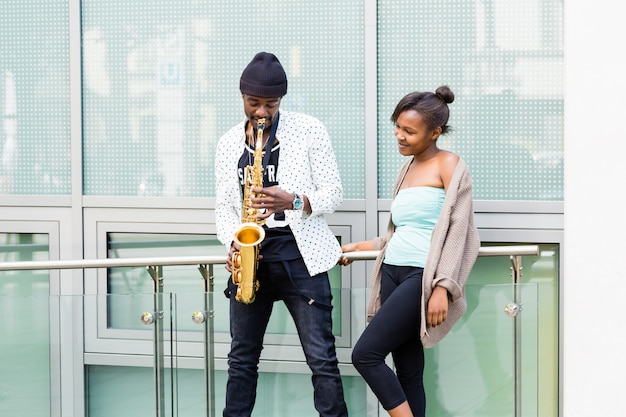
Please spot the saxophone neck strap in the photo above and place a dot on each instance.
(270, 141)
(310, 301)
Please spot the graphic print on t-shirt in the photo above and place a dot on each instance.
(270, 172)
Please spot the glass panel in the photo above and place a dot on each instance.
(109, 386)
(34, 97)
(25, 328)
(504, 62)
(187, 279)
(15, 247)
(485, 362)
(489, 359)
(150, 377)
(284, 391)
(161, 84)
(26, 344)
(543, 271)
(183, 278)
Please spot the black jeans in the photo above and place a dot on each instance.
(395, 329)
(288, 281)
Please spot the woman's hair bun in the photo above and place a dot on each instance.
(445, 94)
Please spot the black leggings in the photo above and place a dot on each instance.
(395, 329)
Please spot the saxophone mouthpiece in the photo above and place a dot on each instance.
(260, 123)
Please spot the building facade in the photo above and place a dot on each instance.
(111, 112)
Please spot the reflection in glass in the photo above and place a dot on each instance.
(161, 84)
(34, 98)
(504, 62)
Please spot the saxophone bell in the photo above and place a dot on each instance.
(245, 261)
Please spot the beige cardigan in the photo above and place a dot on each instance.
(453, 250)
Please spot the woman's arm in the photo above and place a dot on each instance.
(353, 247)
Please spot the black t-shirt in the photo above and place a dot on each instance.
(279, 243)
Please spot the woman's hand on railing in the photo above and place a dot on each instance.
(352, 247)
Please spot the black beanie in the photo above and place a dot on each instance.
(264, 77)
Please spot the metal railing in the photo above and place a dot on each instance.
(512, 251)
(154, 266)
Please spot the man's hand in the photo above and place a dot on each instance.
(348, 247)
(275, 200)
(234, 247)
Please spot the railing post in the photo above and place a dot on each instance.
(209, 353)
(516, 276)
(156, 272)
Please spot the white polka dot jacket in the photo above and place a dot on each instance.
(307, 165)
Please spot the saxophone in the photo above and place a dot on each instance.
(250, 234)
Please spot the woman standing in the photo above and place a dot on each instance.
(431, 245)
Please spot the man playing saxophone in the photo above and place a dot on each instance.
(301, 184)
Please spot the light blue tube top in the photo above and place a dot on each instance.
(414, 212)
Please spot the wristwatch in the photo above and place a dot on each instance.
(298, 202)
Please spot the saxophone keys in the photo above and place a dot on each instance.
(236, 267)
(236, 259)
(237, 277)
